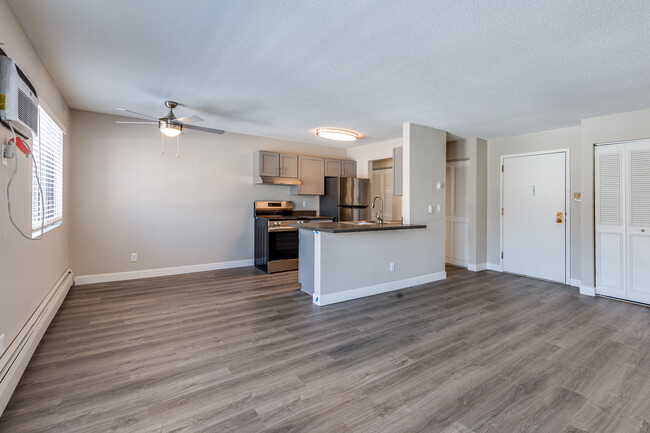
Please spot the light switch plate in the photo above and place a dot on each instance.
(430, 208)
(531, 190)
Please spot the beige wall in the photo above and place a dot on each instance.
(192, 210)
(371, 152)
(425, 152)
(535, 142)
(28, 269)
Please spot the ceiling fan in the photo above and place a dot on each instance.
(170, 125)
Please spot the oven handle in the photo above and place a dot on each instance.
(283, 229)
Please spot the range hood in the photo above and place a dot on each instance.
(273, 180)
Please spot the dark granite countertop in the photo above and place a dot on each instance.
(350, 226)
(295, 217)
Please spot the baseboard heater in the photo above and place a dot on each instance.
(17, 355)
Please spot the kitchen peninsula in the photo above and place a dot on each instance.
(353, 259)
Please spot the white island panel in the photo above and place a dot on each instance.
(336, 267)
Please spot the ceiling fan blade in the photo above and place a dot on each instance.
(188, 119)
(136, 113)
(136, 123)
(200, 128)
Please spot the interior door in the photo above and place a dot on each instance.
(457, 213)
(610, 220)
(534, 216)
(638, 221)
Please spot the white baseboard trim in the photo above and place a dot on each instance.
(586, 290)
(493, 267)
(376, 289)
(477, 268)
(15, 358)
(575, 283)
(160, 272)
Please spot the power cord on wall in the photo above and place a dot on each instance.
(40, 189)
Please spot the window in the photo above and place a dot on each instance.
(48, 155)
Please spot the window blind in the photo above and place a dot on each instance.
(47, 147)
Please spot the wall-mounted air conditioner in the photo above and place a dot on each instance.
(18, 99)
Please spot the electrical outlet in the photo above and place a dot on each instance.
(304, 204)
(2, 344)
(134, 257)
(391, 266)
(2, 152)
(430, 209)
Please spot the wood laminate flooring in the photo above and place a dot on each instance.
(241, 351)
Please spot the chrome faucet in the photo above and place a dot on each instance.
(379, 215)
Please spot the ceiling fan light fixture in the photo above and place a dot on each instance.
(337, 134)
(169, 128)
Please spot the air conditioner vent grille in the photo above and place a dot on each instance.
(27, 111)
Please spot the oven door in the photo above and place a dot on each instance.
(283, 250)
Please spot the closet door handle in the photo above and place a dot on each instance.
(642, 230)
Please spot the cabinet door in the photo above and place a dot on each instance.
(311, 172)
(288, 165)
(332, 167)
(349, 168)
(269, 163)
(397, 171)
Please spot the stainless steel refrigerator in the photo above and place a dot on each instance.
(346, 199)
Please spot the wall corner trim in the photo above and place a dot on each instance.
(477, 268)
(160, 272)
(586, 290)
(362, 292)
(15, 358)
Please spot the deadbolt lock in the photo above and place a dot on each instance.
(559, 217)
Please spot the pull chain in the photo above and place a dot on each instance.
(162, 144)
(178, 146)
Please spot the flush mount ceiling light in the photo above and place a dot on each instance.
(169, 128)
(337, 134)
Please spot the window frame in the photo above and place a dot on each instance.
(47, 151)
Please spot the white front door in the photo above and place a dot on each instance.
(534, 215)
(457, 213)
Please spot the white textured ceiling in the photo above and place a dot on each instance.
(282, 68)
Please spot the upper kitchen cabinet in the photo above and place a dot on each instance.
(274, 164)
(266, 163)
(333, 167)
(349, 168)
(336, 167)
(288, 165)
(311, 171)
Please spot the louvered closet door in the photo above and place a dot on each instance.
(610, 220)
(638, 221)
(457, 213)
(448, 212)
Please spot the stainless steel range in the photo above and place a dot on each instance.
(276, 244)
